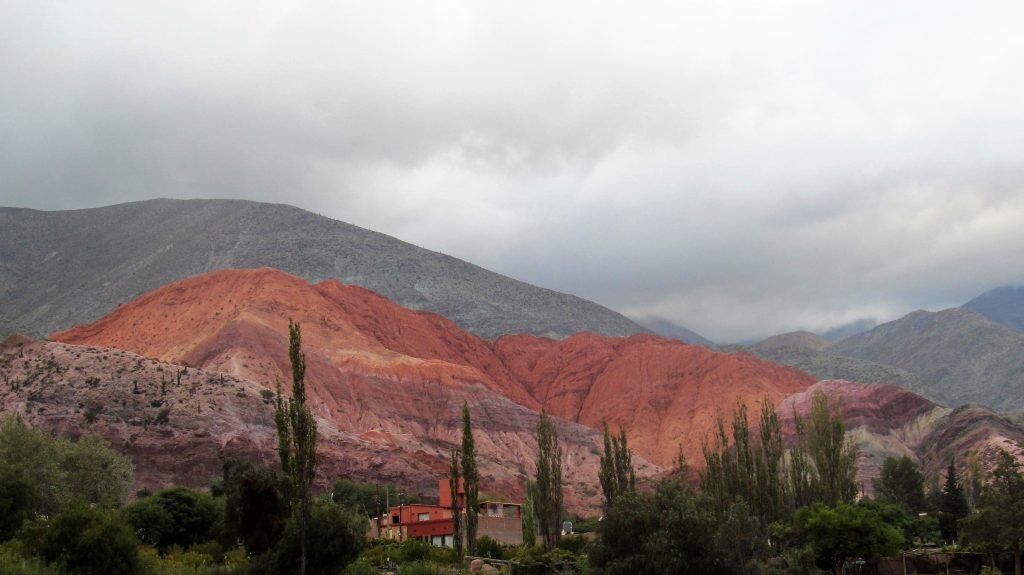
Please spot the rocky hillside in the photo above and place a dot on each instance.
(178, 422)
(62, 268)
(886, 421)
(376, 366)
(959, 356)
(1003, 305)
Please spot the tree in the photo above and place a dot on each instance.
(255, 508)
(902, 483)
(842, 533)
(616, 473)
(296, 435)
(669, 531)
(470, 478)
(998, 523)
(175, 516)
(454, 473)
(18, 502)
(954, 504)
(530, 513)
(336, 536)
(93, 540)
(549, 482)
(833, 454)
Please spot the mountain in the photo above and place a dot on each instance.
(62, 268)
(671, 330)
(1004, 305)
(959, 355)
(887, 421)
(374, 366)
(810, 353)
(176, 423)
(852, 328)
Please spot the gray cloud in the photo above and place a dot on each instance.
(740, 168)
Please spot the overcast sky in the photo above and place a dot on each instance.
(741, 168)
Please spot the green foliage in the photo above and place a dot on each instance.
(913, 526)
(18, 501)
(530, 513)
(366, 498)
(16, 560)
(91, 540)
(336, 536)
(842, 533)
(361, 567)
(548, 500)
(670, 531)
(59, 472)
(490, 548)
(902, 483)
(454, 474)
(833, 454)
(419, 568)
(616, 474)
(998, 523)
(953, 505)
(175, 516)
(471, 479)
(296, 435)
(255, 510)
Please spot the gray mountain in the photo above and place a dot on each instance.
(1003, 304)
(671, 330)
(807, 352)
(854, 327)
(61, 268)
(959, 355)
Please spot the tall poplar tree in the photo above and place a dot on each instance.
(616, 473)
(471, 479)
(548, 502)
(296, 436)
(453, 483)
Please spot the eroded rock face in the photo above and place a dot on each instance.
(376, 366)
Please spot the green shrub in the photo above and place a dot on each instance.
(414, 550)
(490, 548)
(16, 560)
(443, 556)
(419, 568)
(18, 501)
(361, 567)
(573, 544)
(176, 516)
(91, 540)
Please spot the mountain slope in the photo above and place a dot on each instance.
(959, 355)
(62, 268)
(365, 352)
(671, 330)
(1003, 305)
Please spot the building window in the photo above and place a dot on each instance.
(423, 517)
(395, 519)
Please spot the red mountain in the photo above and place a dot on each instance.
(377, 369)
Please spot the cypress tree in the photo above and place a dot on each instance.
(616, 474)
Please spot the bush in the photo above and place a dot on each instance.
(419, 568)
(361, 567)
(15, 560)
(176, 516)
(91, 540)
(490, 548)
(255, 511)
(18, 501)
(413, 550)
(573, 544)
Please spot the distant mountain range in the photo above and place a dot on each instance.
(62, 268)
(1003, 305)
(956, 356)
(671, 330)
